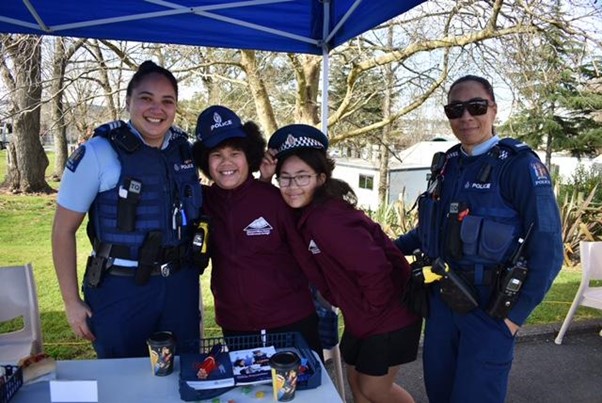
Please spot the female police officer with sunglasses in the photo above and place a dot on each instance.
(484, 196)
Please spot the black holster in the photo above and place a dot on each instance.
(97, 265)
(148, 256)
(457, 293)
(416, 297)
(129, 197)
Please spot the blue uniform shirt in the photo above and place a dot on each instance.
(93, 168)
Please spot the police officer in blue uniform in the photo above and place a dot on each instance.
(490, 226)
(138, 185)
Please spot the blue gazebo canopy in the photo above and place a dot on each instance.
(299, 26)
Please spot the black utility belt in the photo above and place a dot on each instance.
(164, 270)
(488, 278)
(165, 254)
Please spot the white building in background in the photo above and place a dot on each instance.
(408, 175)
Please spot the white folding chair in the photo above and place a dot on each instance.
(591, 266)
(18, 298)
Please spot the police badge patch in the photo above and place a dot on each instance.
(539, 174)
(75, 158)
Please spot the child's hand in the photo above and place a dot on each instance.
(267, 169)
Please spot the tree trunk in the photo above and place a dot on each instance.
(549, 150)
(58, 111)
(59, 64)
(307, 71)
(383, 183)
(27, 160)
(263, 106)
(105, 83)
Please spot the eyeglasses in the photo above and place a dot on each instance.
(300, 180)
(476, 107)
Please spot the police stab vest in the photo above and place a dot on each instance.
(159, 182)
(470, 223)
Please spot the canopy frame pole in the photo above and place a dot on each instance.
(325, 67)
(342, 21)
(36, 16)
(325, 78)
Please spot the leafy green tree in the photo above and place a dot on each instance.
(559, 93)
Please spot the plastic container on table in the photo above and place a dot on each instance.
(293, 341)
(13, 381)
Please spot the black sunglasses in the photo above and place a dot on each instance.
(475, 107)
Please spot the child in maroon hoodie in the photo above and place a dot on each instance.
(260, 268)
(365, 273)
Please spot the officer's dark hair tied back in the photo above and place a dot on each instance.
(146, 68)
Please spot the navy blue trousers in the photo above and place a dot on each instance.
(125, 314)
(466, 357)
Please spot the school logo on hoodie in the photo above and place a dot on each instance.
(313, 248)
(259, 226)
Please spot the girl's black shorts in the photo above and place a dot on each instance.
(375, 354)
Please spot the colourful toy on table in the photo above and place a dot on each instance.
(209, 363)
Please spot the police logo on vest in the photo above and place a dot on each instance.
(479, 186)
(185, 165)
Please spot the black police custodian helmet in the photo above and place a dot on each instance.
(216, 124)
(293, 137)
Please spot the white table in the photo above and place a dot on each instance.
(129, 380)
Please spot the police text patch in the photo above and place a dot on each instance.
(75, 158)
(539, 174)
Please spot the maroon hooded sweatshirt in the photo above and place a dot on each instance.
(365, 273)
(257, 256)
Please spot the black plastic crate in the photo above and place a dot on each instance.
(281, 341)
(14, 380)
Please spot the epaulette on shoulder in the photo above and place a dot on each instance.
(105, 129)
(514, 145)
(509, 147)
(453, 151)
(119, 134)
(178, 133)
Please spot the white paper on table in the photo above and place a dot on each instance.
(73, 391)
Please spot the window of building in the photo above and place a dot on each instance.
(366, 182)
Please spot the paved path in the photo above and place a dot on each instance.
(542, 372)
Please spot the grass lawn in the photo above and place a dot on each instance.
(25, 225)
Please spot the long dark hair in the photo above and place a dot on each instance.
(321, 163)
(146, 68)
(253, 145)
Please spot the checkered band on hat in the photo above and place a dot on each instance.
(289, 138)
(299, 142)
